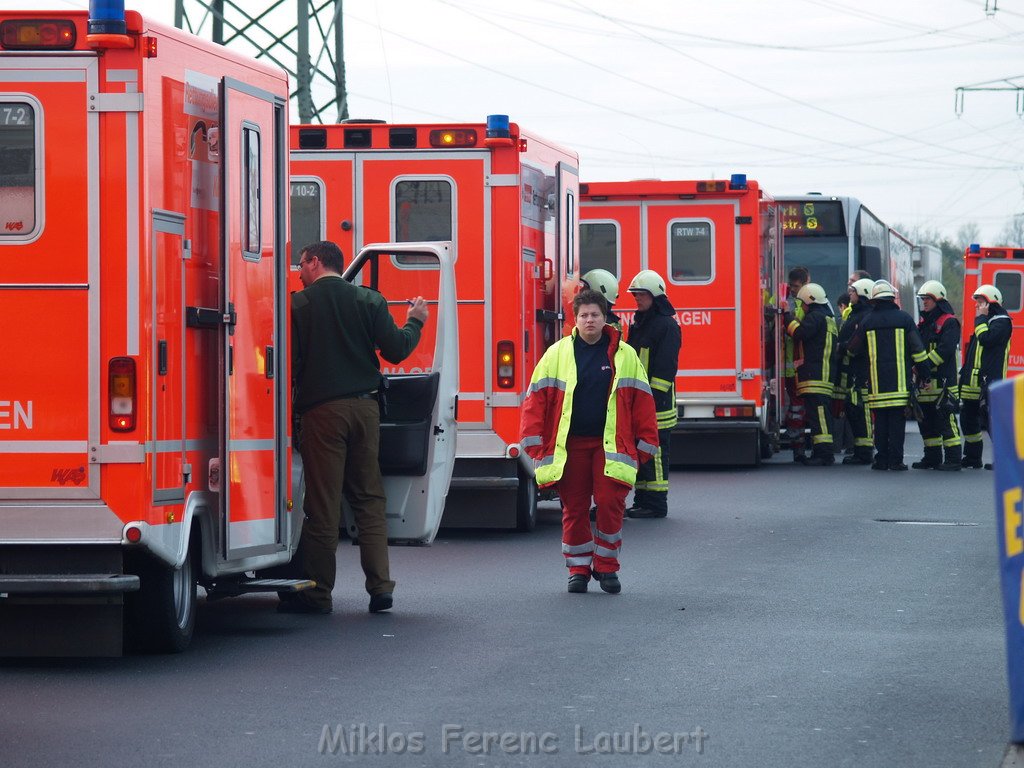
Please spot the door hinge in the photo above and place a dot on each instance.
(115, 102)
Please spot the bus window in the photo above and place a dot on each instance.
(1009, 284)
(18, 176)
(690, 249)
(599, 246)
(307, 200)
(423, 212)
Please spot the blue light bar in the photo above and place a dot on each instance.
(106, 17)
(497, 127)
(738, 181)
(974, 248)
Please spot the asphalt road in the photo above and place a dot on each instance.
(770, 620)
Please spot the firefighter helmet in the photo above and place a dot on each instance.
(932, 289)
(989, 293)
(863, 287)
(602, 281)
(812, 293)
(882, 289)
(648, 280)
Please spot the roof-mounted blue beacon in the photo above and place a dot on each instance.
(106, 17)
(497, 127)
(738, 181)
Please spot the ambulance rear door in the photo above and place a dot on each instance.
(418, 427)
(254, 342)
(695, 245)
(1007, 275)
(50, 381)
(323, 204)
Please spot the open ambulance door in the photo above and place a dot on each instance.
(418, 428)
(252, 472)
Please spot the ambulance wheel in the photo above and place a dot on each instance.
(161, 616)
(526, 503)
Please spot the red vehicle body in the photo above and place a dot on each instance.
(144, 415)
(718, 246)
(506, 200)
(1002, 267)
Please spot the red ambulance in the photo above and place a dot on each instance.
(144, 415)
(1002, 267)
(718, 245)
(507, 203)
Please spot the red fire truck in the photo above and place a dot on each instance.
(506, 201)
(144, 419)
(719, 247)
(1004, 268)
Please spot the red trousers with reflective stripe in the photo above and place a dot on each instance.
(583, 479)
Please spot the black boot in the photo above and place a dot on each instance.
(932, 458)
(953, 458)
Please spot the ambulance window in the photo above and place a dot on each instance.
(599, 246)
(423, 212)
(251, 191)
(1009, 284)
(307, 215)
(18, 177)
(690, 250)
(570, 232)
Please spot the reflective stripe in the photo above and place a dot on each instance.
(621, 458)
(901, 355)
(44, 446)
(983, 328)
(578, 560)
(955, 429)
(547, 461)
(973, 438)
(646, 447)
(526, 442)
(640, 384)
(577, 549)
(935, 357)
(545, 383)
(863, 442)
(932, 442)
(873, 357)
(605, 552)
(660, 384)
(652, 485)
(611, 538)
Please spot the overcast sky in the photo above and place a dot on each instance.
(828, 96)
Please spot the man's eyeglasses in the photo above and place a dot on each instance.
(306, 260)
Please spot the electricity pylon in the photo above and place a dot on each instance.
(281, 32)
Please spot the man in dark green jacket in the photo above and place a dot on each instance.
(336, 329)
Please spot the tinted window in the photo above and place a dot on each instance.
(1009, 284)
(251, 191)
(306, 220)
(423, 211)
(690, 248)
(599, 247)
(17, 169)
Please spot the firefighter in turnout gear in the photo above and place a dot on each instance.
(795, 414)
(854, 375)
(655, 335)
(940, 333)
(604, 282)
(889, 339)
(815, 349)
(985, 361)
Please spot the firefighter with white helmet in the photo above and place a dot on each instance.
(940, 333)
(605, 283)
(795, 414)
(985, 361)
(854, 374)
(815, 337)
(655, 335)
(890, 341)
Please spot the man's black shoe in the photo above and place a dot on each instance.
(609, 582)
(922, 464)
(642, 513)
(381, 602)
(901, 467)
(300, 606)
(856, 460)
(820, 461)
(949, 466)
(988, 466)
(879, 466)
(968, 463)
(578, 582)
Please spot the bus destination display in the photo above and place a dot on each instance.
(812, 219)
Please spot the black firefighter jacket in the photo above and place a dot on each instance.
(816, 351)
(987, 353)
(853, 370)
(940, 334)
(655, 336)
(889, 339)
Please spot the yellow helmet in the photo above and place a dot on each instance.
(990, 293)
(882, 289)
(648, 280)
(812, 293)
(602, 281)
(933, 289)
(863, 287)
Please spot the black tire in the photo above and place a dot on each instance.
(526, 503)
(765, 447)
(161, 616)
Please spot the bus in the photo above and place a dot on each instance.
(833, 236)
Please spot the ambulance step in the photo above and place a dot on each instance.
(66, 583)
(237, 587)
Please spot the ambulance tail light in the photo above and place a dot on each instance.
(734, 411)
(506, 364)
(453, 137)
(711, 186)
(121, 394)
(37, 35)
